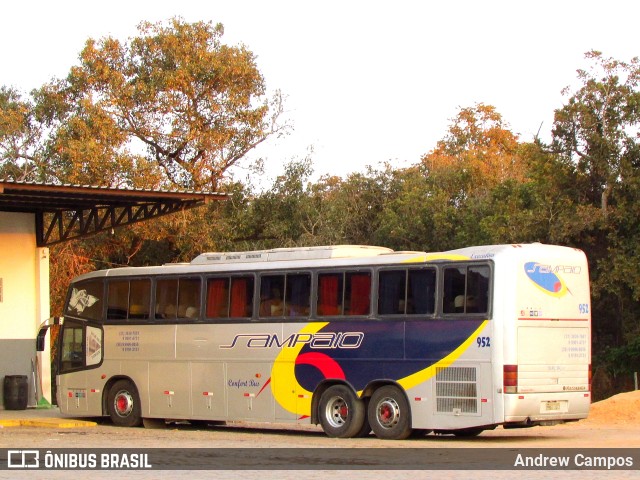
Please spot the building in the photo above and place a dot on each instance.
(34, 216)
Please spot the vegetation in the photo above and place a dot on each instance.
(175, 107)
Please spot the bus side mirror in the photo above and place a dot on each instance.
(40, 339)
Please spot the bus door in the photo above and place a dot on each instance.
(79, 350)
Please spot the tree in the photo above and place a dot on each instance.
(597, 132)
(479, 143)
(353, 205)
(173, 107)
(416, 215)
(597, 128)
(442, 202)
(21, 155)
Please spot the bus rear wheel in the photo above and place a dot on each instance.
(341, 412)
(123, 404)
(389, 414)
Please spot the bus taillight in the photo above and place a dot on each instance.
(510, 376)
(590, 373)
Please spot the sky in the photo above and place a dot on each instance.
(366, 82)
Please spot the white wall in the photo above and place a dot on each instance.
(18, 273)
(24, 302)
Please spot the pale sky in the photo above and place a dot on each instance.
(366, 81)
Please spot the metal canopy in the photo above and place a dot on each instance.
(66, 212)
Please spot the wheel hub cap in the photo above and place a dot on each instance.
(388, 412)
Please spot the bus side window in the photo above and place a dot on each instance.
(298, 295)
(392, 292)
(241, 297)
(466, 289)
(218, 298)
(166, 299)
(128, 299)
(272, 295)
(139, 299)
(358, 291)
(455, 280)
(330, 294)
(230, 297)
(478, 289)
(421, 292)
(188, 298)
(118, 300)
(409, 292)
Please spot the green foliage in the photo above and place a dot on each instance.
(624, 359)
(597, 128)
(596, 133)
(21, 155)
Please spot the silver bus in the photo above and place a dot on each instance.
(354, 338)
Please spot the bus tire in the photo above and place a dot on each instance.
(365, 430)
(341, 412)
(389, 413)
(123, 404)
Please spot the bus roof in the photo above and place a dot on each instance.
(314, 257)
(287, 254)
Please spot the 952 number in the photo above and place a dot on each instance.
(483, 342)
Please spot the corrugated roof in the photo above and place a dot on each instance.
(67, 211)
(34, 197)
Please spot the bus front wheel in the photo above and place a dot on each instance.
(389, 414)
(123, 404)
(341, 412)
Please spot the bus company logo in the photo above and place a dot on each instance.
(319, 340)
(546, 277)
(80, 300)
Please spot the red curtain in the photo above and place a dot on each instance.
(217, 298)
(328, 295)
(238, 298)
(360, 294)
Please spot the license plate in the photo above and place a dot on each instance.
(553, 406)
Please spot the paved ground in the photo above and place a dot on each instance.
(46, 429)
(40, 417)
(40, 427)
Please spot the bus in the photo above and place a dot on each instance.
(357, 339)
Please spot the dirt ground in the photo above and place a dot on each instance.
(612, 423)
(621, 409)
